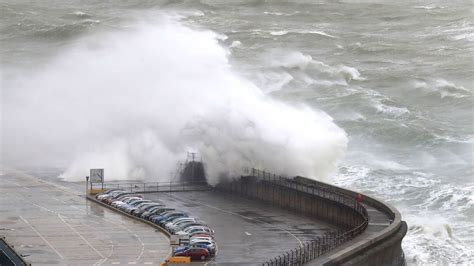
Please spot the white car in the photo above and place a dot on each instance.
(195, 229)
(174, 224)
(121, 202)
(201, 238)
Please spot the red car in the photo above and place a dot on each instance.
(195, 253)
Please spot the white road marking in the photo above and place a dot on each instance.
(116, 262)
(132, 262)
(44, 239)
(247, 233)
(77, 233)
(44, 208)
(249, 218)
(132, 233)
(148, 263)
(85, 240)
(20, 185)
(73, 193)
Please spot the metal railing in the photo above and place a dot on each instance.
(149, 187)
(319, 191)
(338, 207)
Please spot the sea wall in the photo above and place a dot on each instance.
(352, 245)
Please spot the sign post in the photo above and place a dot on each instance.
(97, 176)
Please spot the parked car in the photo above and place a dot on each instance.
(162, 217)
(161, 222)
(204, 237)
(123, 200)
(114, 196)
(185, 225)
(106, 193)
(131, 206)
(155, 211)
(210, 245)
(207, 245)
(195, 253)
(172, 225)
(103, 198)
(128, 201)
(146, 207)
(193, 229)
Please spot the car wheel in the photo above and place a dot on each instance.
(203, 257)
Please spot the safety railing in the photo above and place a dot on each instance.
(149, 187)
(338, 207)
(320, 191)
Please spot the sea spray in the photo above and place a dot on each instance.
(134, 101)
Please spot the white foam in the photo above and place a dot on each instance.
(443, 88)
(80, 14)
(135, 107)
(235, 44)
(279, 33)
(390, 109)
(430, 7)
(290, 60)
(317, 32)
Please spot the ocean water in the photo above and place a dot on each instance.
(397, 78)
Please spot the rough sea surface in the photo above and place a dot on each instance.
(396, 76)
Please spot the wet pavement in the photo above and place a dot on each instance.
(246, 231)
(53, 224)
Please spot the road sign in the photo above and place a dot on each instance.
(97, 175)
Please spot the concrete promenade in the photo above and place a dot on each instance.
(51, 224)
(247, 231)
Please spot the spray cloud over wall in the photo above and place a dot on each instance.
(134, 101)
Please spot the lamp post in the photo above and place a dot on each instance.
(87, 184)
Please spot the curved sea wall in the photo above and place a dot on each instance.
(357, 242)
(379, 247)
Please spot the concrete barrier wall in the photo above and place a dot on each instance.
(381, 248)
(378, 248)
(307, 204)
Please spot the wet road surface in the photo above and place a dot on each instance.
(246, 231)
(52, 224)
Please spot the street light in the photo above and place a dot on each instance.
(87, 183)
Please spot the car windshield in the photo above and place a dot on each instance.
(138, 202)
(149, 206)
(162, 211)
(184, 221)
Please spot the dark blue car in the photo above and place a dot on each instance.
(162, 218)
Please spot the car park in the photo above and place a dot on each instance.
(201, 244)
